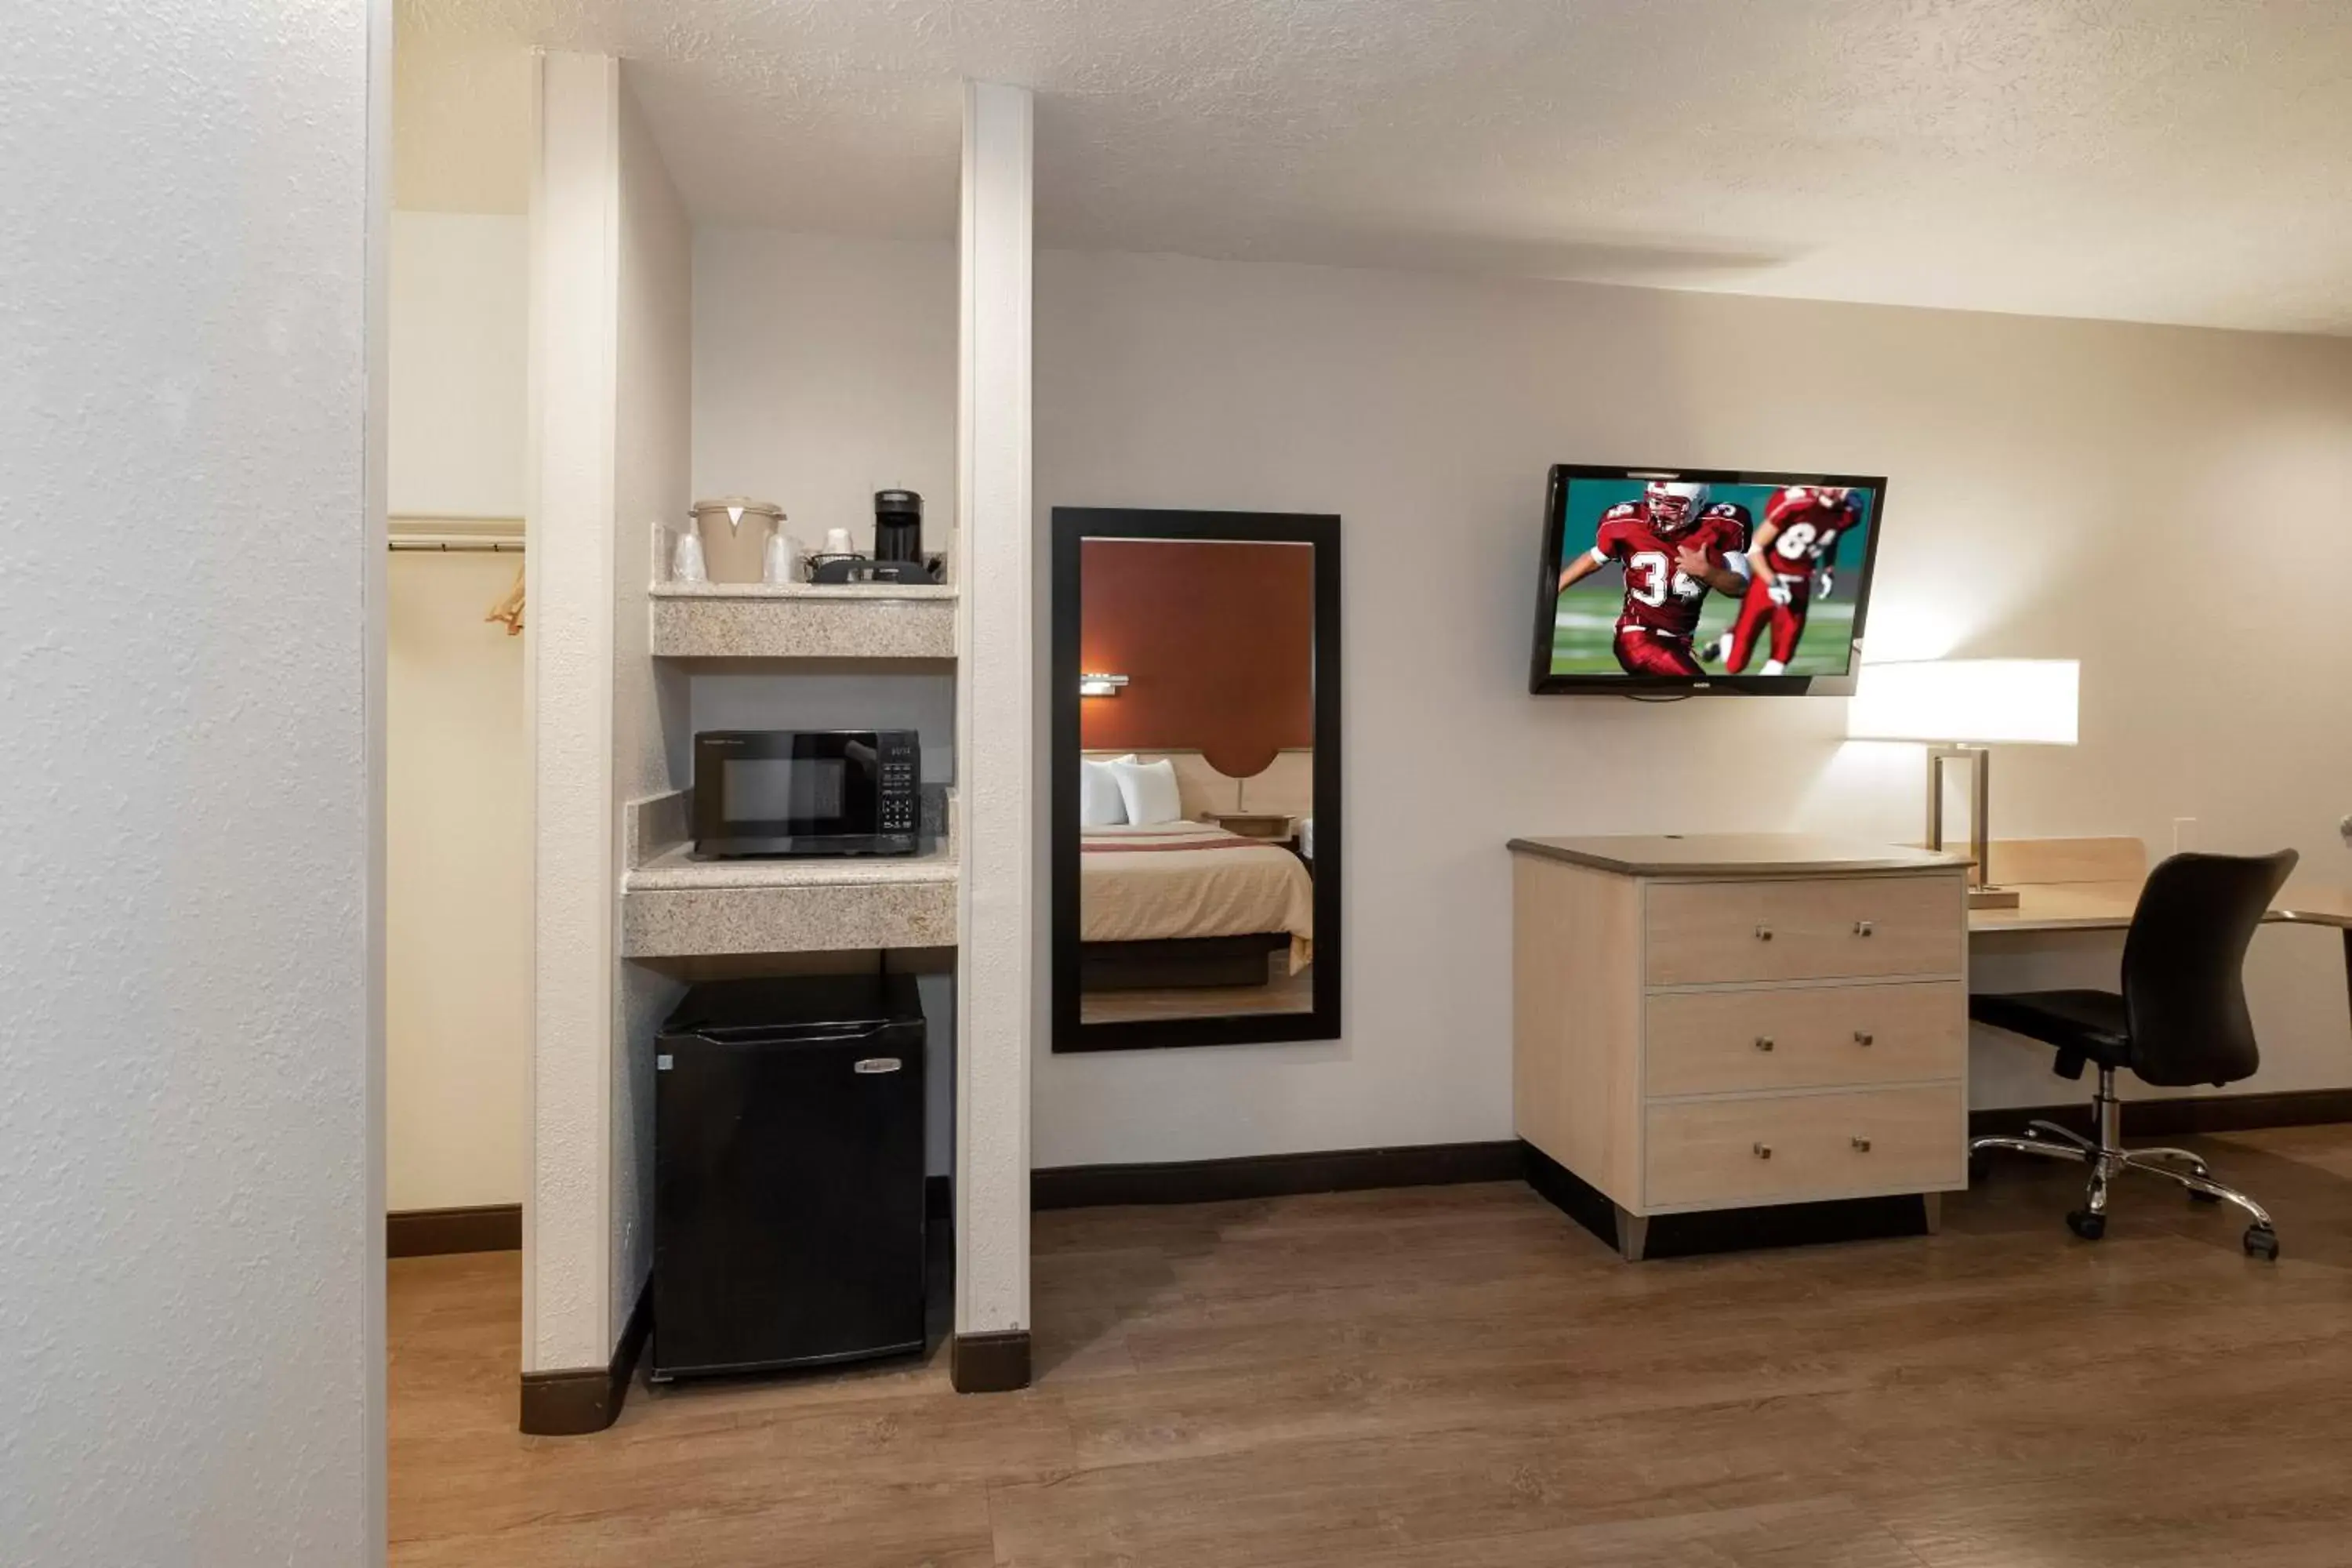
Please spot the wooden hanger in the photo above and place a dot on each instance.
(508, 608)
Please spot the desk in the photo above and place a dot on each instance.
(2093, 884)
(2318, 907)
(2108, 906)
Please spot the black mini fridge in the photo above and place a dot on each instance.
(788, 1175)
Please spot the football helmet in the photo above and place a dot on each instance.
(1673, 506)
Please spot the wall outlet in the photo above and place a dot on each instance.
(2184, 833)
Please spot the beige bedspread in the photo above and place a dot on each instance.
(1177, 879)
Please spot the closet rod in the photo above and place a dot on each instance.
(453, 531)
(455, 543)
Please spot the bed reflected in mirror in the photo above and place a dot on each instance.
(1196, 782)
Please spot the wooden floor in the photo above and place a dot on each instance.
(1461, 1378)
(1282, 993)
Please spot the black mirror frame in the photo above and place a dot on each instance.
(1071, 526)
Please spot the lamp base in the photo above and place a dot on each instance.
(1992, 898)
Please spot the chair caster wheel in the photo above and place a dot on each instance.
(2261, 1242)
(2091, 1226)
(2196, 1197)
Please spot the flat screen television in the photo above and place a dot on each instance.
(1677, 581)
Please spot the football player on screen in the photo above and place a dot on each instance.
(1739, 520)
(1788, 564)
(1674, 547)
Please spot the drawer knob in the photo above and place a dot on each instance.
(1763, 1042)
(1862, 1145)
(1862, 928)
(1763, 1151)
(1864, 1037)
(1763, 933)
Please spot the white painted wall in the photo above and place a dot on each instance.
(458, 984)
(789, 696)
(1000, 982)
(191, 1330)
(651, 738)
(2109, 493)
(825, 369)
(458, 819)
(460, 320)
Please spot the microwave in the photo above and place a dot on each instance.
(805, 792)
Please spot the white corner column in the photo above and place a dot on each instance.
(998, 1004)
(568, 657)
(611, 330)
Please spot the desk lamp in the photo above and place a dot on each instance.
(1960, 706)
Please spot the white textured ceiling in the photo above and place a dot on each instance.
(2154, 160)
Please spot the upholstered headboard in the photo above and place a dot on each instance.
(1287, 785)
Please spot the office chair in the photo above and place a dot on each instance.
(2181, 1018)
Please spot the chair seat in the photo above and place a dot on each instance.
(2086, 1024)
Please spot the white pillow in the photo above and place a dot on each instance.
(1100, 802)
(1149, 791)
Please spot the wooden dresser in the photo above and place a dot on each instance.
(1723, 1021)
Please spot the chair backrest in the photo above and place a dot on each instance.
(2184, 965)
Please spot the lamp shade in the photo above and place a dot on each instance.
(1982, 701)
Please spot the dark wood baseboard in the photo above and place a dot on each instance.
(1726, 1230)
(579, 1400)
(1504, 1159)
(2179, 1115)
(988, 1364)
(1275, 1175)
(1571, 1194)
(429, 1233)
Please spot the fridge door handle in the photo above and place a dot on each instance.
(768, 1035)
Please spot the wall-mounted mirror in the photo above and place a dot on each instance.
(1196, 778)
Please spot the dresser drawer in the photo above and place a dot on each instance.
(1702, 934)
(1801, 1147)
(1812, 1036)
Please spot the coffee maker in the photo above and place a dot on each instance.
(897, 546)
(897, 526)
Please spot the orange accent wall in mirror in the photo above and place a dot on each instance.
(1216, 640)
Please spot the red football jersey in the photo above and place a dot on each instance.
(1809, 520)
(1657, 595)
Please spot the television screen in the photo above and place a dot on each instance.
(1686, 580)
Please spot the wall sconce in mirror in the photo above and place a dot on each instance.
(1093, 683)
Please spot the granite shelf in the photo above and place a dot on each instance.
(801, 620)
(674, 906)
